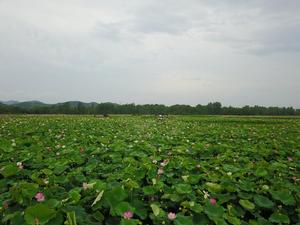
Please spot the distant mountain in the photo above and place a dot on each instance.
(75, 104)
(30, 104)
(11, 102)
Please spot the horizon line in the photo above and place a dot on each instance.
(128, 103)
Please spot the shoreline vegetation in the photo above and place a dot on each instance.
(93, 108)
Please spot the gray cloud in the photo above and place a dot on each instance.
(237, 52)
(161, 20)
(110, 31)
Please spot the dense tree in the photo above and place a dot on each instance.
(213, 108)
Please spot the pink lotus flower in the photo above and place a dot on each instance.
(290, 158)
(128, 215)
(213, 201)
(85, 186)
(36, 221)
(20, 165)
(160, 171)
(171, 216)
(40, 197)
(164, 163)
(5, 205)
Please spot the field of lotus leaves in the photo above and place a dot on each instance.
(131, 170)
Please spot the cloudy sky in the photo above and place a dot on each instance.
(151, 51)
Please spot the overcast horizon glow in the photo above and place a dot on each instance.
(141, 51)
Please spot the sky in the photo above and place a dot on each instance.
(151, 51)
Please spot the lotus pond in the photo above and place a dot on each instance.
(131, 170)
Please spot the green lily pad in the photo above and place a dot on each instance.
(29, 189)
(183, 188)
(279, 218)
(123, 207)
(247, 204)
(9, 170)
(261, 172)
(213, 187)
(156, 209)
(40, 213)
(263, 201)
(233, 220)
(115, 196)
(283, 196)
(129, 222)
(183, 220)
(74, 195)
(214, 212)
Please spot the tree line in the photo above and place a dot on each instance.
(215, 108)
